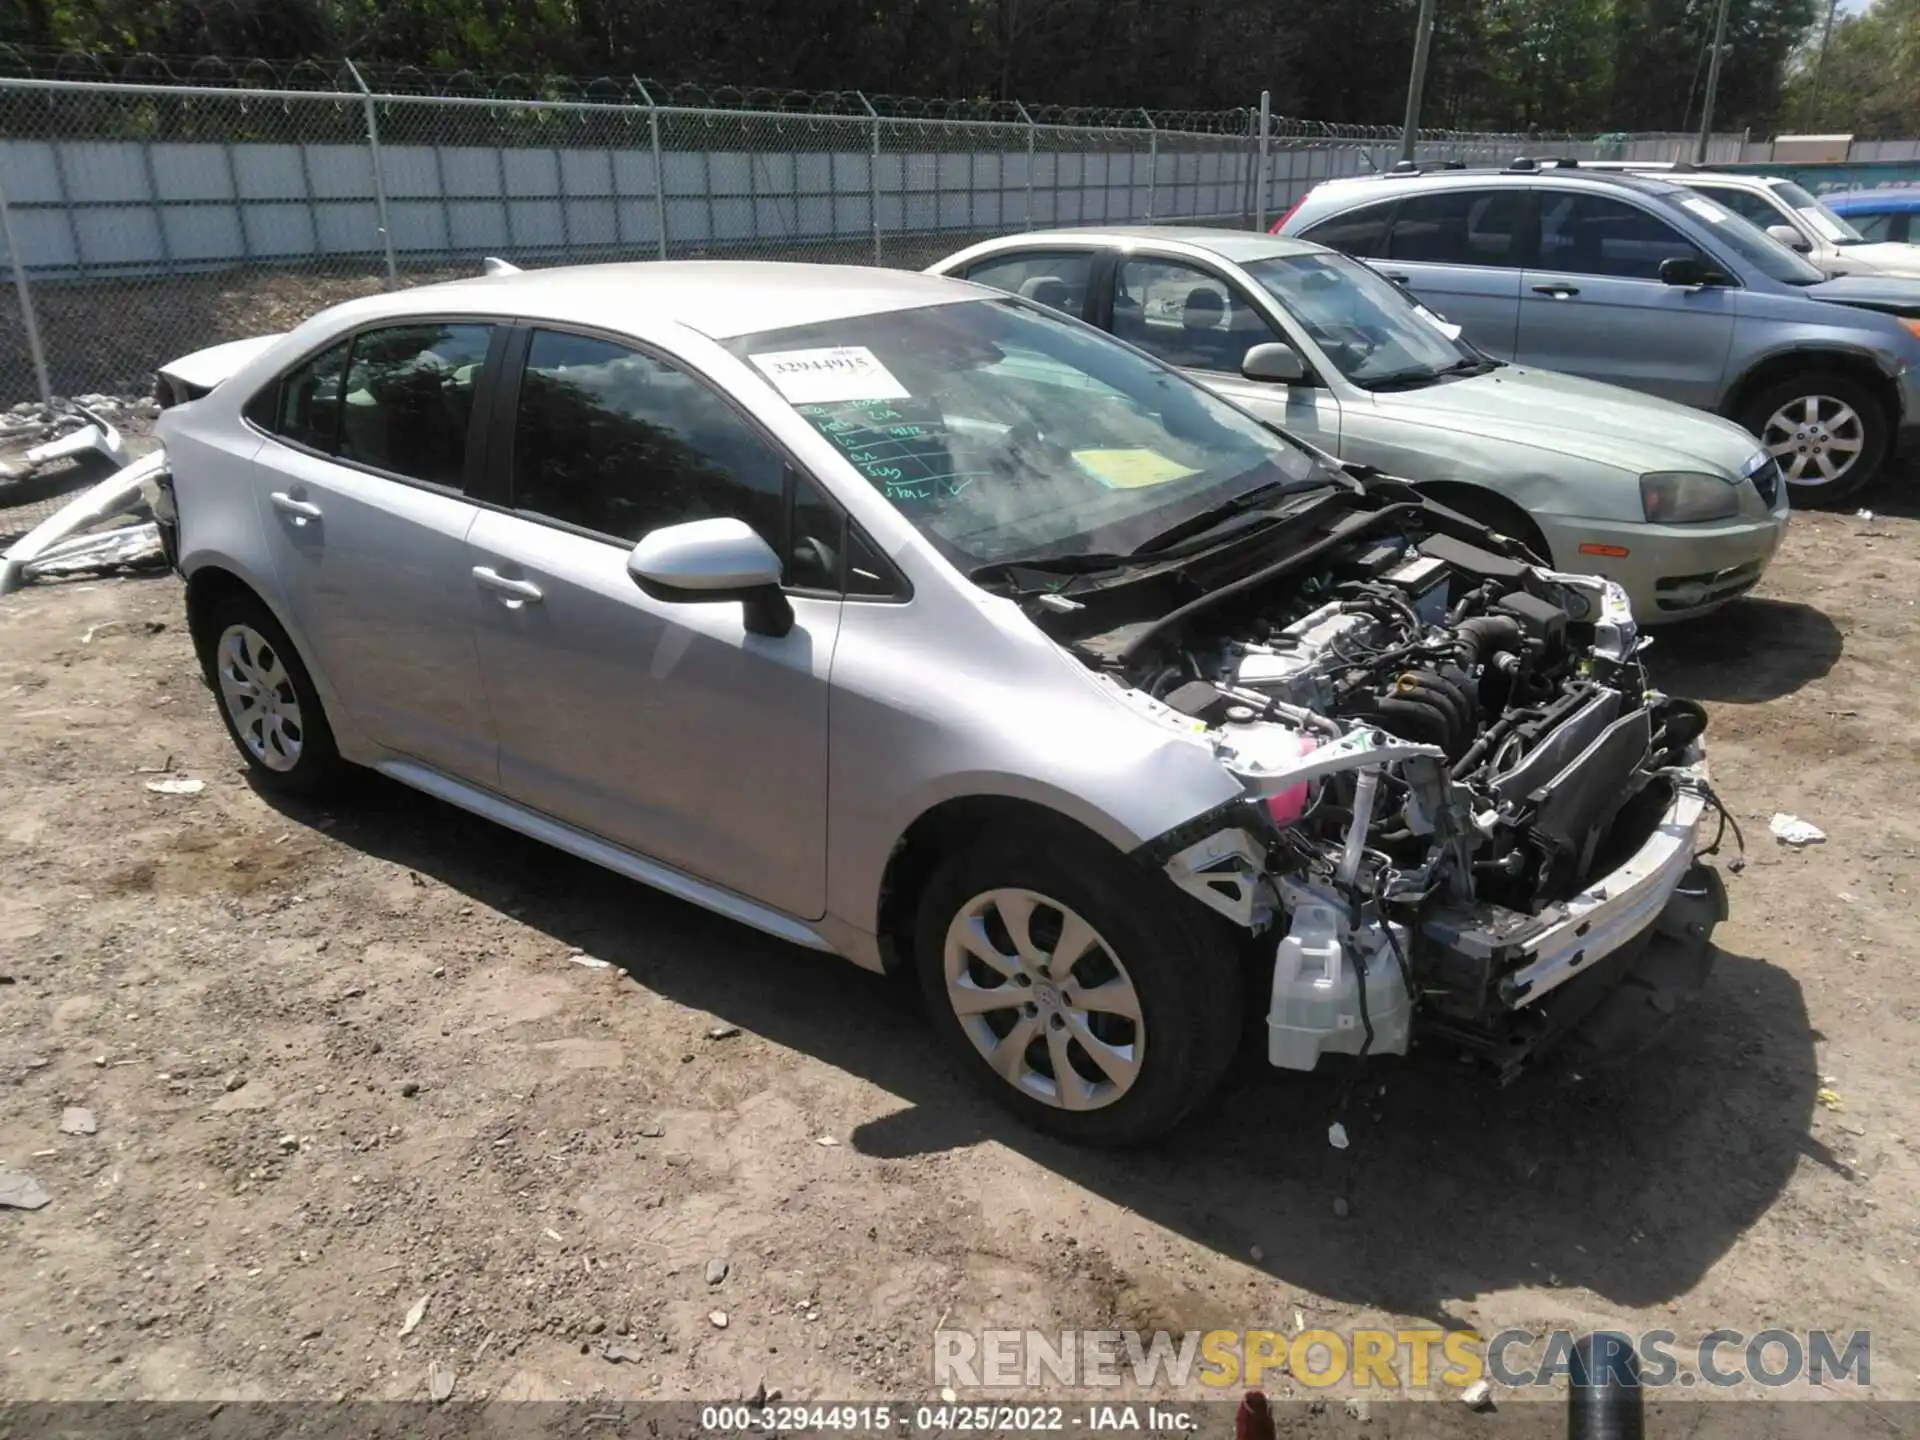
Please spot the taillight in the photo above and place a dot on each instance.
(1274, 229)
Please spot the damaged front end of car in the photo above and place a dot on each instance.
(1466, 814)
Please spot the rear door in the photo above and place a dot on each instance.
(361, 494)
(1594, 305)
(1462, 251)
(1196, 317)
(667, 728)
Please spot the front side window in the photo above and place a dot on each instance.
(1585, 234)
(1007, 434)
(1186, 316)
(1057, 278)
(1751, 244)
(1361, 232)
(1749, 205)
(612, 440)
(1827, 223)
(1365, 325)
(1459, 227)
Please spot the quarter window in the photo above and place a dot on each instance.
(1186, 316)
(1593, 235)
(615, 441)
(1361, 232)
(1058, 280)
(1459, 227)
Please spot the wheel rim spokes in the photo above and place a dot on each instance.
(1044, 999)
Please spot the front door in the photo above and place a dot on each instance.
(360, 495)
(1194, 318)
(669, 729)
(1595, 304)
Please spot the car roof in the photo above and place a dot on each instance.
(1651, 183)
(1238, 246)
(721, 299)
(1874, 201)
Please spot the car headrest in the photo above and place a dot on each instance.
(1204, 309)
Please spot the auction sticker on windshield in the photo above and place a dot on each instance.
(840, 372)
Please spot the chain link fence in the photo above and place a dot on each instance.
(147, 213)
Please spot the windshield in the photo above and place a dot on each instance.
(1829, 224)
(1748, 241)
(1367, 327)
(1005, 433)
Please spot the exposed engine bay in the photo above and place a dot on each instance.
(1462, 794)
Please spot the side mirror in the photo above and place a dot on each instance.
(1687, 271)
(704, 561)
(1279, 363)
(1791, 238)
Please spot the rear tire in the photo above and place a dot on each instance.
(1816, 421)
(1103, 968)
(267, 699)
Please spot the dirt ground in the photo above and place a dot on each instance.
(343, 1061)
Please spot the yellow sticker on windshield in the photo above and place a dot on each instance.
(1130, 469)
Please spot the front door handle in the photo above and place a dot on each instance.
(301, 510)
(512, 591)
(1556, 290)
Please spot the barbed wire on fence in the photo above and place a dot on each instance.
(154, 205)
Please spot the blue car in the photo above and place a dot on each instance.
(1880, 214)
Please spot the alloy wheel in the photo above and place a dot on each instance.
(1044, 999)
(259, 696)
(1816, 438)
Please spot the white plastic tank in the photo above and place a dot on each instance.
(1316, 991)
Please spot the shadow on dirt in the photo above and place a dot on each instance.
(1630, 1184)
(1753, 651)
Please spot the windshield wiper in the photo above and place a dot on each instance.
(1206, 520)
(1088, 562)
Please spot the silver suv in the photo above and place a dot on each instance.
(1640, 281)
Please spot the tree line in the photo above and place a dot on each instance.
(1580, 65)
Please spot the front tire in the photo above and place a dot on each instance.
(1090, 998)
(267, 699)
(1829, 433)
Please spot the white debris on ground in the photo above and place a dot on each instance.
(1792, 830)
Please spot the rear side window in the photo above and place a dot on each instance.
(1459, 227)
(1592, 235)
(409, 399)
(1877, 227)
(1361, 232)
(1058, 279)
(305, 405)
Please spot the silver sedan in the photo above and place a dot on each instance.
(903, 619)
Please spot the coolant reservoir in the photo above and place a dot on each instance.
(1316, 993)
(1262, 745)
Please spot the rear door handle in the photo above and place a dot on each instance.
(1398, 279)
(512, 590)
(301, 510)
(1556, 290)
